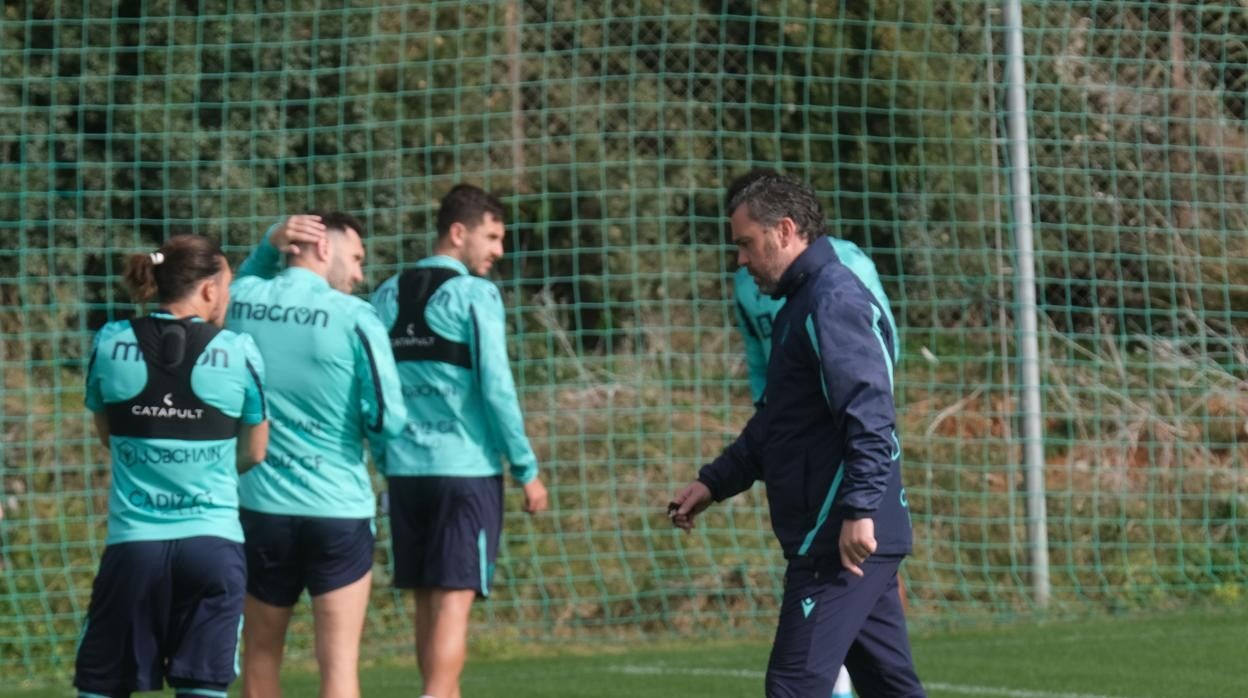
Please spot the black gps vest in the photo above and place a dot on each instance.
(411, 338)
(167, 407)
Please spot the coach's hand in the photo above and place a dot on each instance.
(535, 497)
(857, 543)
(688, 503)
(296, 231)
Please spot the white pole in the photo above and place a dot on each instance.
(1033, 432)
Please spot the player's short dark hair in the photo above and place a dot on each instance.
(467, 205)
(769, 196)
(337, 220)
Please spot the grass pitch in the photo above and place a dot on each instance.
(1200, 654)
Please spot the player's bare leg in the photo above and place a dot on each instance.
(444, 648)
(339, 621)
(264, 641)
(424, 627)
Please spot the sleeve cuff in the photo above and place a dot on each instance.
(526, 476)
(856, 513)
(710, 485)
(268, 236)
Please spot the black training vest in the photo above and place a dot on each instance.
(411, 338)
(168, 408)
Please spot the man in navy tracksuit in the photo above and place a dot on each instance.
(825, 444)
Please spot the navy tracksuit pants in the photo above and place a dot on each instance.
(831, 617)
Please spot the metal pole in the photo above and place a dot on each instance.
(1029, 345)
(514, 17)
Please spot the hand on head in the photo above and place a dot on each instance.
(296, 231)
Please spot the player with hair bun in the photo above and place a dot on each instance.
(179, 403)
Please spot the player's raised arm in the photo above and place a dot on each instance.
(293, 236)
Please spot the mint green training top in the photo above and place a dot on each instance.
(461, 421)
(169, 489)
(331, 384)
(755, 311)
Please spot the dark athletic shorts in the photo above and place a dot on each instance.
(445, 531)
(170, 609)
(286, 554)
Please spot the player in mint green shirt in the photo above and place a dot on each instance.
(180, 405)
(308, 513)
(444, 476)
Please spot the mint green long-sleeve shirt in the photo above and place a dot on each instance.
(168, 489)
(332, 383)
(461, 421)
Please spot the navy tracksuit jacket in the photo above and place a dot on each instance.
(825, 440)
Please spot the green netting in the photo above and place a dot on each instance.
(611, 130)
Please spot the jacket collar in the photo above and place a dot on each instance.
(164, 314)
(813, 258)
(444, 261)
(306, 276)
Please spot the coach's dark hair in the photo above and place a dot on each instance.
(468, 205)
(337, 220)
(769, 196)
(744, 181)
(171, 272)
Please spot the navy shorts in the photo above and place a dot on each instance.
(286, 554)
(163, 610)
(445, 530)
(830, 617)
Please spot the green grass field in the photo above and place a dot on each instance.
(1199, 654)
